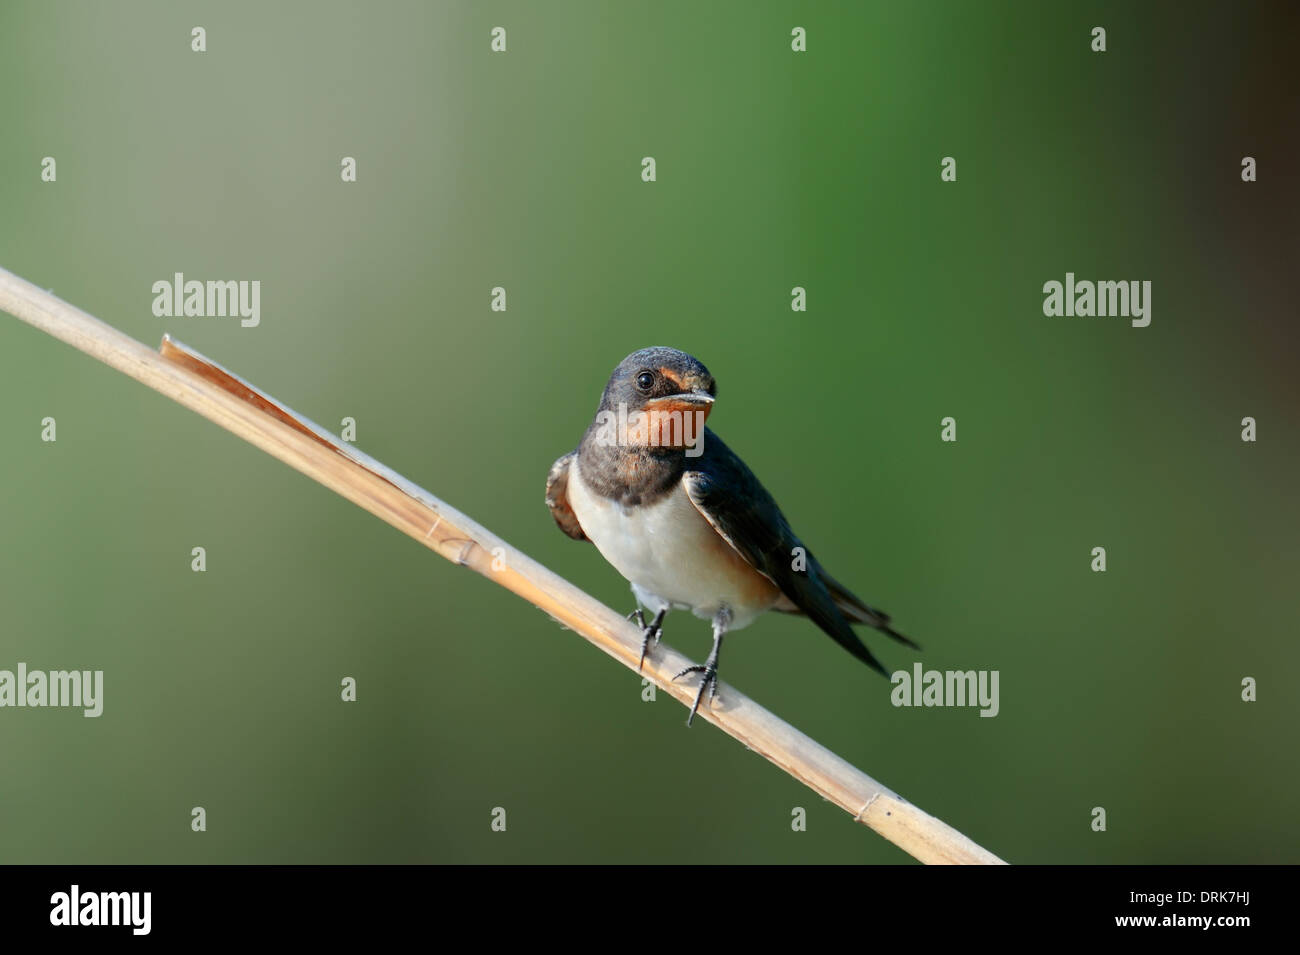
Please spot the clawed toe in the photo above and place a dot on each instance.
(648, 635)
(709, 682)
(650, 632)
(698, 668)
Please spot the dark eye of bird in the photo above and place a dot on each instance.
(645, 381)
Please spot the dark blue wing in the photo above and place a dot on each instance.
(741, 510)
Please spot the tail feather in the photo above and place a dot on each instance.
(858, 612)
(834, 624)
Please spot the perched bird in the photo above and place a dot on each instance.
(685, 521)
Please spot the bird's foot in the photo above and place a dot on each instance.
(709, 681)
(649, 631)
(709, 669)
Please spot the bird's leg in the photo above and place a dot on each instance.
(650, 631)
(709, 669)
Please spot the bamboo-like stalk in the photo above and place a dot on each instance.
(221, 397)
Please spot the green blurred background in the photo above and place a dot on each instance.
(775, 169)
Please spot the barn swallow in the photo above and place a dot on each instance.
(685, 521)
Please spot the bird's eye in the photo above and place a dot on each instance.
(645, 381)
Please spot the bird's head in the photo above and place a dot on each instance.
(660, 379)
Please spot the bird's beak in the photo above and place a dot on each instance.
(685, 402)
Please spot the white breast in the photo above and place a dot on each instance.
(668, 550)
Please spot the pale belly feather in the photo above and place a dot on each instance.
(670, 551)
